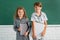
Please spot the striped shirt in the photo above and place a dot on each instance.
(39, 22)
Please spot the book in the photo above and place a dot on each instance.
(23, 28)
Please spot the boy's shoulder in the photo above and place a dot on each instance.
(33, 14)
(43, 13)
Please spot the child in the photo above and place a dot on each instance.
(39, 22)
(21, 18)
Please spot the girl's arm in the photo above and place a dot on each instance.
(15, 26)
(45, 26)
(29, 27)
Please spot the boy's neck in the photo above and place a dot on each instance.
(38, 13)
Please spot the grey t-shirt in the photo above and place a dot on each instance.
(23, 21)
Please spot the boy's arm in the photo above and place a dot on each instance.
(45, 26)
(33, 30)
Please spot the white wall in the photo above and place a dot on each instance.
(7, 32)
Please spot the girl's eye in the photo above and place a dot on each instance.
(19, 11)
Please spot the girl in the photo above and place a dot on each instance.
(21, 21)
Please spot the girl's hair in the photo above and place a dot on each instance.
(19, 8)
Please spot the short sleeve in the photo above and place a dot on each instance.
(15, 25)
(28, 21)
(33, 17)
(45, 17)
(29, 25)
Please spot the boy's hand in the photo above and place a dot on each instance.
(19, 29)
(43, 33)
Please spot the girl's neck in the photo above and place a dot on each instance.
(20, 17)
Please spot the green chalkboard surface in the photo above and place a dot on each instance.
(8, 8)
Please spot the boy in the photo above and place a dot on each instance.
(39, 22)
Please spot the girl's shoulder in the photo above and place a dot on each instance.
(16, 19)
(27, 19)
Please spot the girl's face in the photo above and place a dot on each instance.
(37, 8)
(20, 12)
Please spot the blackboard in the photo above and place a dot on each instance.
(8, 8)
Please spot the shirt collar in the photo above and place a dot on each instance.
(20, 19)
(36, 14)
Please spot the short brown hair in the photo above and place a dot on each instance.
(19, 8)
(38, 4)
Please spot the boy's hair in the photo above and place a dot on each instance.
(38, 4)
(19, 8)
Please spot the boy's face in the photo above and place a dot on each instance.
(20, 12)
(37, 9)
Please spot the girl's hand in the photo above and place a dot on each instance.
(19, 29)
(26, 33)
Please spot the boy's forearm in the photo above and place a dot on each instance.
(45, 28)
(45, 25)
(44, 31)
(33, 28)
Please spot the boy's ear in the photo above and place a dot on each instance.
(41, 7)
